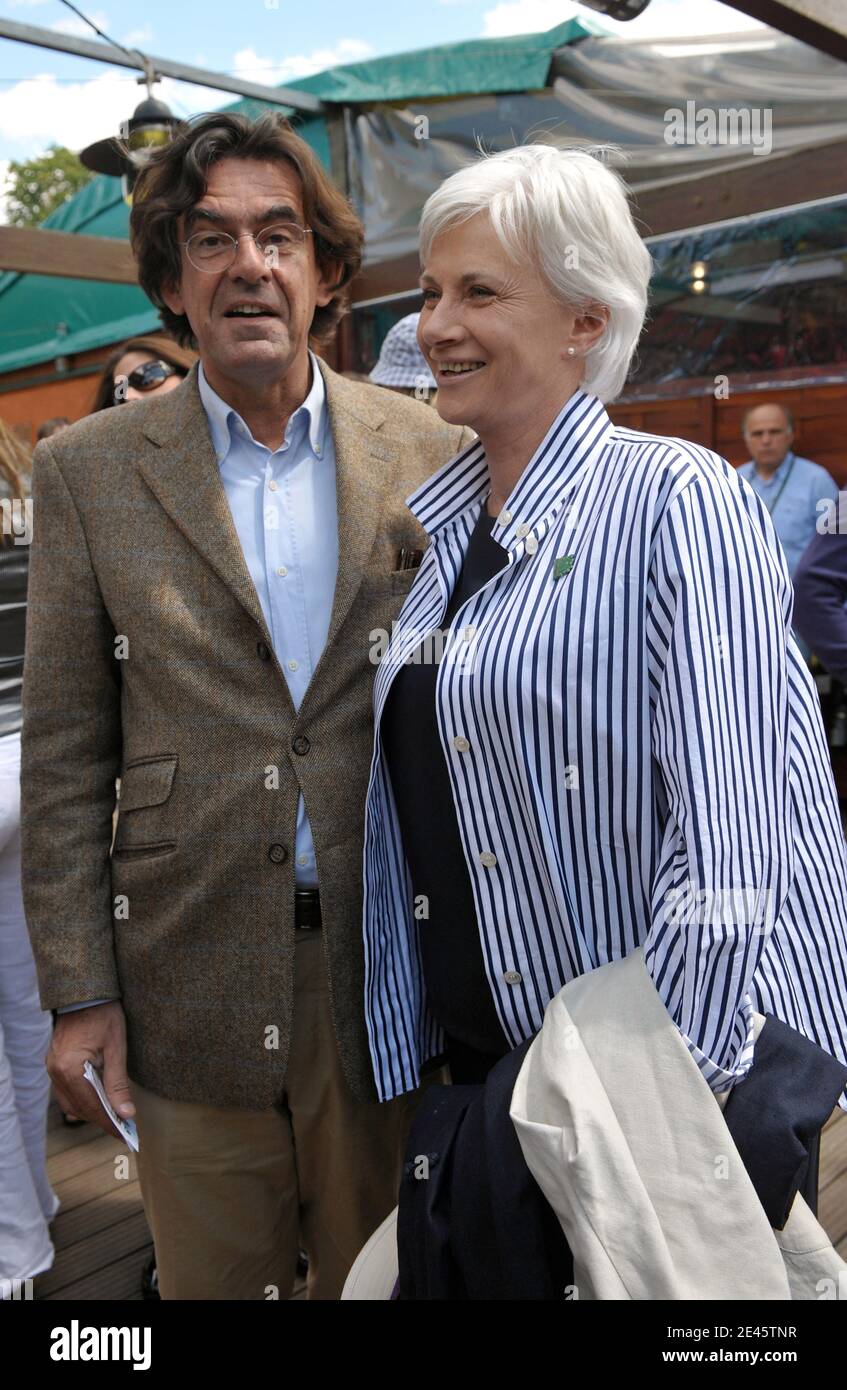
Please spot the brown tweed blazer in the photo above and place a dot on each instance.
(148, 659)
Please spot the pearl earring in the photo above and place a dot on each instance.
(571, 352)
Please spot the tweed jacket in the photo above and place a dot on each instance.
(148, 659)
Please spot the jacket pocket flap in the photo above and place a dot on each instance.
(146, 784)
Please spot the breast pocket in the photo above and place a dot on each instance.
(145, 822)
(402, 580)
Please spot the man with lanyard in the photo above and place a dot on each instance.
(790, 487)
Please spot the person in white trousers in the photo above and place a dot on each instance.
(27, 1202)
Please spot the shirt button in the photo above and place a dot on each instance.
(272, 485)
(487, 859)
(504, 518)
(277, 854)
(282, 571)
(293, 665)
(263, 653)
(460, 744)
(469, 633)
(531, 545)
(512, 977)
(301, 745)
(522, 530)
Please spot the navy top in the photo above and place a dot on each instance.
(457, 989)
(820, 595)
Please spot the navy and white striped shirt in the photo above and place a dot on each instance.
(635, 750)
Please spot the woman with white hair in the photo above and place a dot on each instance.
(619, 745)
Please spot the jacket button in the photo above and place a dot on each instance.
(277, 854)
(301, 745)
(264, 654)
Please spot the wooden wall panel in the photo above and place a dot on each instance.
(820, 414)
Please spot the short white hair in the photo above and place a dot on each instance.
(568, 213)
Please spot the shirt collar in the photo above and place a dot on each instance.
(777, 473)
(571, 444)
(223, 418)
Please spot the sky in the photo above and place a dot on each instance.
(48, 97)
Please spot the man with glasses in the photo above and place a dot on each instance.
(208, 567)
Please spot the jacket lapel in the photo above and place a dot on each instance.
(182, 472)
(360, 459)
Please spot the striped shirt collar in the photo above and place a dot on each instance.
(567, 450)
(223, 418)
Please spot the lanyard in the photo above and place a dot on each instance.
(772, 507)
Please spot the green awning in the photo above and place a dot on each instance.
(516, 64)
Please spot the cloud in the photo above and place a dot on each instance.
(137, 36)
(78, 29)
(255, 68)
(40, 111)
(661, 19)
(527, 17)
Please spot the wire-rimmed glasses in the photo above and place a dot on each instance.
(213, 251)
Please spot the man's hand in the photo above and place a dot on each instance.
(96, 1035)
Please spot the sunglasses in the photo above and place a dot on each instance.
(148, 376)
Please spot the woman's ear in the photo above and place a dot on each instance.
(589, 325)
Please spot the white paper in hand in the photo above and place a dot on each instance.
(126, 1127)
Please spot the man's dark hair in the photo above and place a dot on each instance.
(49, 427)
(176, 178)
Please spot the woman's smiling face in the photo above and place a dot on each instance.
(492, 333)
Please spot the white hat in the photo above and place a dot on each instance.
(401, 362)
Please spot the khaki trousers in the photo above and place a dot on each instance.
(231, 1194)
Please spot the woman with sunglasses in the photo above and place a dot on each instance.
(142, 367)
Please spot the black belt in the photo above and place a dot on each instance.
(307, 909)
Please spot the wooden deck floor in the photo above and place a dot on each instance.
(102, 1241)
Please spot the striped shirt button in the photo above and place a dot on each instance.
(504, 518)
(512, 977)
(531, 545)
(522, 530)
(487, 859)
(461, 744)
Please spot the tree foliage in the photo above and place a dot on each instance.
(36, 187)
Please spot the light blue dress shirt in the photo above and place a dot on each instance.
(794, 508)
(286, 514)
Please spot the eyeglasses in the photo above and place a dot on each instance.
(214, 251)
(146, 377)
